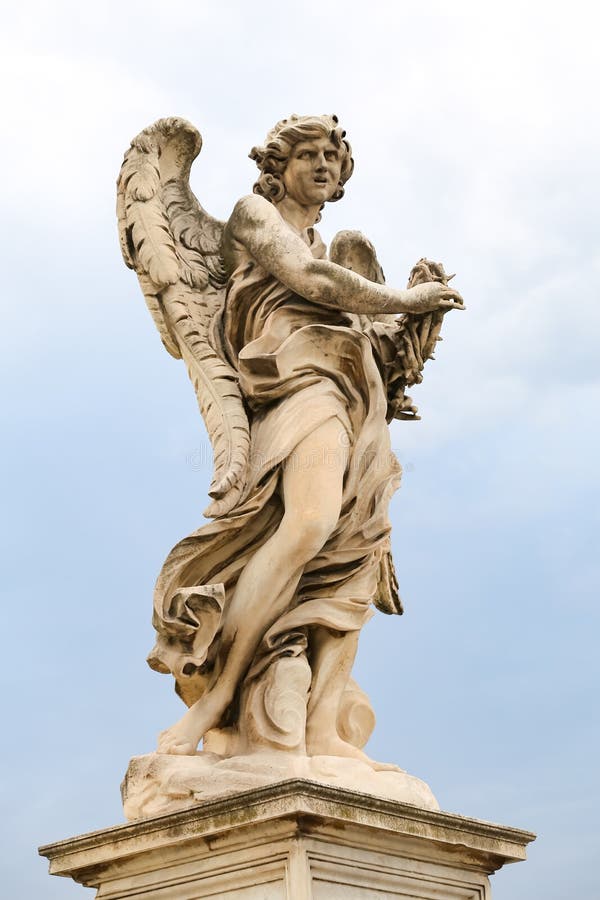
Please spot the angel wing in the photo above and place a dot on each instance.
(174, 246)
(354, 251)
(401, 344)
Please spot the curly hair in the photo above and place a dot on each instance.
(273, 157)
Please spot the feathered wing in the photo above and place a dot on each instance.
(354, 251)
(402, 344)
(174, 246)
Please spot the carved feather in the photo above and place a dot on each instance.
(145, 182)
(152, 242)
(175, 248)
(122, 226)
(197, 247)
(219, 399)
(156, 309)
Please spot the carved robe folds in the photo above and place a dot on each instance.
(300, 365)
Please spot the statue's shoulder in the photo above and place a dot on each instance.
(252, 215)
(252, 207)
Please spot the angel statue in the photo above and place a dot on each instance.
(299, 360)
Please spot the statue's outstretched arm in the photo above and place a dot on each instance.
(257, 224)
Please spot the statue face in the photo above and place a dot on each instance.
(313, 171)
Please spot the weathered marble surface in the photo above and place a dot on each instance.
(293, 841)
(160, 782)
(298, 360)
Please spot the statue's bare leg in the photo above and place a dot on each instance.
(312, 495)
(332, 658)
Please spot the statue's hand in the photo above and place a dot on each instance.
(431, 296)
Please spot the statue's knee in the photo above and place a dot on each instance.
(308, 534)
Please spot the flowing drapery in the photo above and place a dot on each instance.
(300, 364)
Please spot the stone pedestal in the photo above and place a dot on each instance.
(297, 840)
(162, 783)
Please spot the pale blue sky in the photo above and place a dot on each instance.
(476, 138)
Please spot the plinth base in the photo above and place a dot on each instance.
(296, 840)
(160, 783)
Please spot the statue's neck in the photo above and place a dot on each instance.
(297, 216)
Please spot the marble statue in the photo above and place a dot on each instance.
(299, 359)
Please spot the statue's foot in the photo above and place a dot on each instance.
(183, 737)
(178, 741)
(333, 745)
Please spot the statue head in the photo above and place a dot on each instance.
(273, 157)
